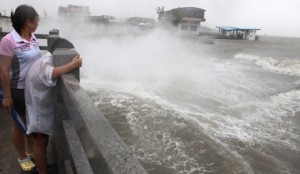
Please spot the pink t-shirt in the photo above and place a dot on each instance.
(23, 55)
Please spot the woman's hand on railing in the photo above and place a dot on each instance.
(77, 61)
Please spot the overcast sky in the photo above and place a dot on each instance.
(273, 17)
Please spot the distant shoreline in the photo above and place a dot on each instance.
(5, 23)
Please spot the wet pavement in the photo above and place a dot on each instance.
(8, 154)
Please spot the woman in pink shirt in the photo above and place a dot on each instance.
(18, 51)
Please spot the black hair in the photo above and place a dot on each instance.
(21, 15)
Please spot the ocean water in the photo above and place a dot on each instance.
(199, 105)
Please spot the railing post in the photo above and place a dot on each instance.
(62, 56)
(53, 36)
(62, 50)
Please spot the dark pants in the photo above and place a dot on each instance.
(18, 97)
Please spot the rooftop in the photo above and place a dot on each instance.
(228, 28)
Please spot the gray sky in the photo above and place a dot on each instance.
(273, 17)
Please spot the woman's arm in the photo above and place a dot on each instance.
(58, 71)
(5, 63)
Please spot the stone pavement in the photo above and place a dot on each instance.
(8, 154)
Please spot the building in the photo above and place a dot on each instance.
(140, 24)
(5, 24)
(237, 33)
(185, 19)
(73, 11)
(141, 21)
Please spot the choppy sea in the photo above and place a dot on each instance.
(199, 105)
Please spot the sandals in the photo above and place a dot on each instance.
(26, 164)
(29, 154)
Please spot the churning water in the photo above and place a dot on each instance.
(199, 105)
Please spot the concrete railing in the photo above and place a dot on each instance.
(86, 139)
(105, 151)
(83, 142)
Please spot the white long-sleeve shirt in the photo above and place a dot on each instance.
(40, 96)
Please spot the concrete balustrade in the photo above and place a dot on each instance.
(104, 149)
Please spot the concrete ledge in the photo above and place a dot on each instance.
(105, 150)
(68, 167)
(79, 159)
